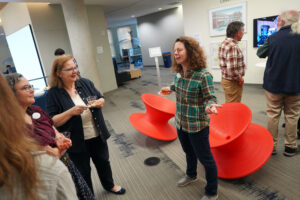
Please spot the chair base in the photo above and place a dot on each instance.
(154, 129)
(245, 154)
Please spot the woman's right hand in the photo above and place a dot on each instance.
(78, 109)
(165, 91)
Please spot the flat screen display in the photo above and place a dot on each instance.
(263, 28)
(25, 56)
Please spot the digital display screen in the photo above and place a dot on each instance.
(263, 28)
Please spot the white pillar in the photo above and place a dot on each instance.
(80, 39)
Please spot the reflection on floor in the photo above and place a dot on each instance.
(278, 179)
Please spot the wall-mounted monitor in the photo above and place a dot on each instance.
(263, 28)
(25, 55)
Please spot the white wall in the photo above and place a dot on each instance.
(100, 39)
(14, 16)
(196, 21)
(159, 30)
(50, 31)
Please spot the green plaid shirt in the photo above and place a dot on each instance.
(194, 92)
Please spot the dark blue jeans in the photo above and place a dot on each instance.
(196, 145)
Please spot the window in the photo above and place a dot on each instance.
(111, 43)
(124, 36)
(25, 56)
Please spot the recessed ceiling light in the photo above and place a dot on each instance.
(133, 16)
(159, 8)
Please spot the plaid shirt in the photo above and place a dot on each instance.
(194, 92)
(231, 60)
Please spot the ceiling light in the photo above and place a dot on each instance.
(132, 16)
(159, 8)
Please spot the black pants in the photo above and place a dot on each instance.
(98, 151)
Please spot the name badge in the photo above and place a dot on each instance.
(36, 115)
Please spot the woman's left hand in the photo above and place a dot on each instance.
(99, 103)
(212, 109)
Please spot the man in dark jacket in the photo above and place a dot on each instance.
(282, 79)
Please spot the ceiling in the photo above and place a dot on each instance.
(118, 10)
(121, 10)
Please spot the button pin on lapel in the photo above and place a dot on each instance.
(36, 115)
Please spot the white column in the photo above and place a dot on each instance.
(80, 39)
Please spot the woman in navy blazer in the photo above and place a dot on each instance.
(67, 105)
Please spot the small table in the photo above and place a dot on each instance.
(135, 73)
(154, 123)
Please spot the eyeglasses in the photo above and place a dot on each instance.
(27, 88)
(70, 69)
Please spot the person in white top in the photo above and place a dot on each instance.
(25, 171)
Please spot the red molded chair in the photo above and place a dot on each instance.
(231, 121)
(154, 123)
(239, 148)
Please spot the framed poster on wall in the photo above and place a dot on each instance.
(214, 50)
(219, 18)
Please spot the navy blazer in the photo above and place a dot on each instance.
(59, 101)
(282, 72)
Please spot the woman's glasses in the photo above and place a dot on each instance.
(27, 88)
(70, 69)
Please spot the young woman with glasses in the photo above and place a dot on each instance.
(46, 135)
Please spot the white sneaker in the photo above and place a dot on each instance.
(206, 197)
(186, 180)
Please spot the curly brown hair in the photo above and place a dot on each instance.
(195, 54)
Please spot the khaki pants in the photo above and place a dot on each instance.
(233, 90)
(291, 109)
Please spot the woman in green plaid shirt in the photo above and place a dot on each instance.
(195, 99)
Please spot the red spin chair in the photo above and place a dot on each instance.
(154, 123)
(239, 147)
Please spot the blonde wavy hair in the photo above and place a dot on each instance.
(195, 54)
(16, 147)
(57, 66)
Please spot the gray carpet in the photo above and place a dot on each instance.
(278, 179)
